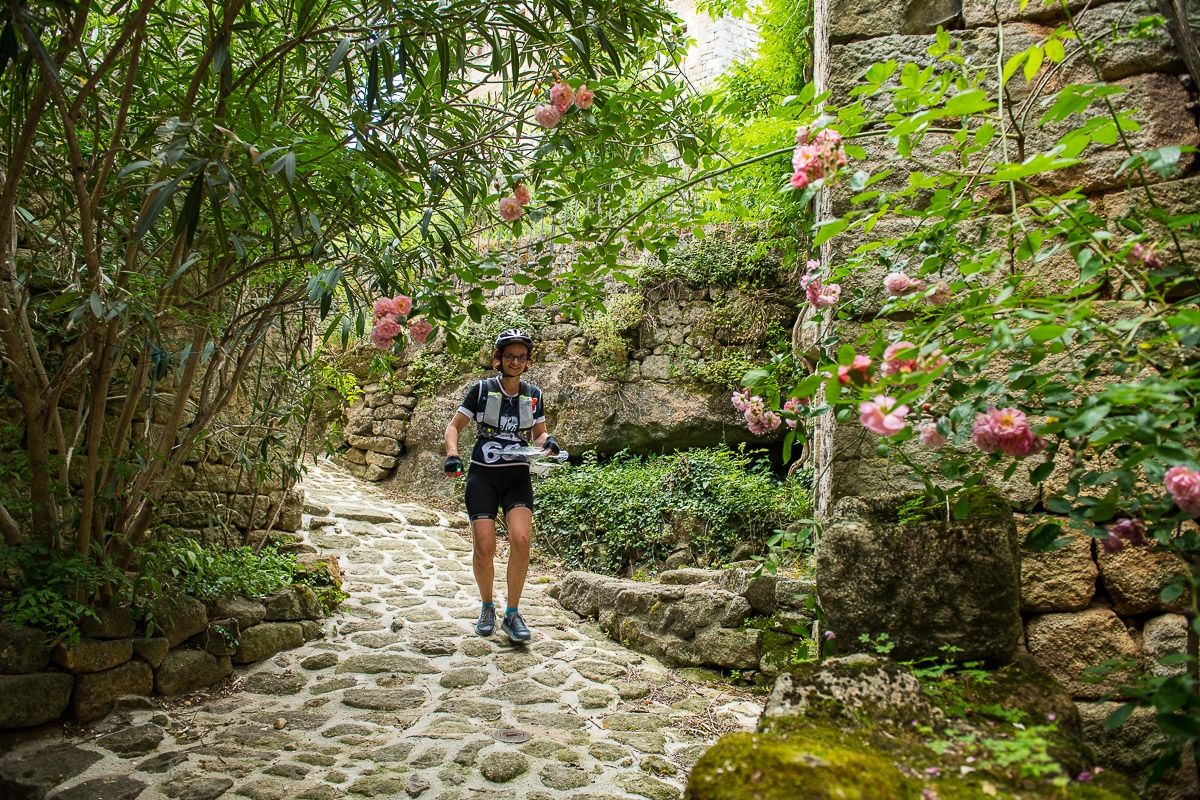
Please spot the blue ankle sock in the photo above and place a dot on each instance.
(490, 604)
(509, 611)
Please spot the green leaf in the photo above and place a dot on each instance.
(1045, 332)
(1044, 537)
(754, 377)
(973, 101)
(1118, 717)
(962, 507)
(1041, 472)
(1034, 62)
(827, 230)
(1171, 592)
(339, 53)
(1164, 160)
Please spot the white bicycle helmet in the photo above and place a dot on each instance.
(514, 336)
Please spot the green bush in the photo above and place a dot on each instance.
(184, 565)
(609, 516)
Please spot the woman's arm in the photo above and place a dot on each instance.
(455, 427)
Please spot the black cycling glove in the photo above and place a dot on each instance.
(551, 444)
(454, 466)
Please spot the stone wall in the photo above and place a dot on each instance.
(1148, 69)
(727, 619)
(195, 647)
(652, 402)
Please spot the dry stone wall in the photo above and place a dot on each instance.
(728, 619)
(195, 647)
(1080, 606)
(649, 402)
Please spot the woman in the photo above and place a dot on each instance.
(509, 414)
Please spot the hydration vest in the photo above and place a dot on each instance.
(495, 397)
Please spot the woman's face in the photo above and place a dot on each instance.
(514, 359)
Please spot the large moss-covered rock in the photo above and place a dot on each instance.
(27, 700)
(864, 728)
(267, 639)
(22, 650)
(96, 692)
(927, 584)
(188, 670)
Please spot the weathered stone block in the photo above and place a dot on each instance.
(391, 412)
(293, 603)
(926, 584)
(187, 670)
(1133, 746)
(686, 576)
(380, 460)
(792, 593)
(316, 561)
(93, 655)
(27, 700)
(1165, 635)
(859, 19)
(586, 593)
(376, 444)
(760, 594)
(392, 428)
(375, 473)
(1057, 580)
(110, 623)
(267, 639)
(96, 692)
(1067, 644)
(22, 650)
(246, 611)
(727, 647)
(152, 649)
(221, 637)
(180, 617)
(1162, 112)
(1136, 576)
(355, 456)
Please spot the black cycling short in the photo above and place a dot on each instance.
(492, 488)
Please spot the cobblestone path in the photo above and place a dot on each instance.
(401, 699)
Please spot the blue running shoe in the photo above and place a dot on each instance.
(486, 625)
(515, 627)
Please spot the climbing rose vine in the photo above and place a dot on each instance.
(389, 314)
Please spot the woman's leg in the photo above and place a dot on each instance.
(520, 528)
(483, 532)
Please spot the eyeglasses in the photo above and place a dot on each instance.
(520, 359)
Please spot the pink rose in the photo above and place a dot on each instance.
(898, 284)
(403, 304)
(562, 96)
(930, 436)
(385, 306)
(883, 416)
(741, 400)
(793, 404)
(1184, 486)
(522, 194)
(1144, 255)
(584, 98)
(419, 330)
(860, 365)
(547, 116)
(893, 364)
(1007, 430)
(802, 135)
(940, 294)
(799, 179)
(510, 209)
(386, 328)
(822, 296)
